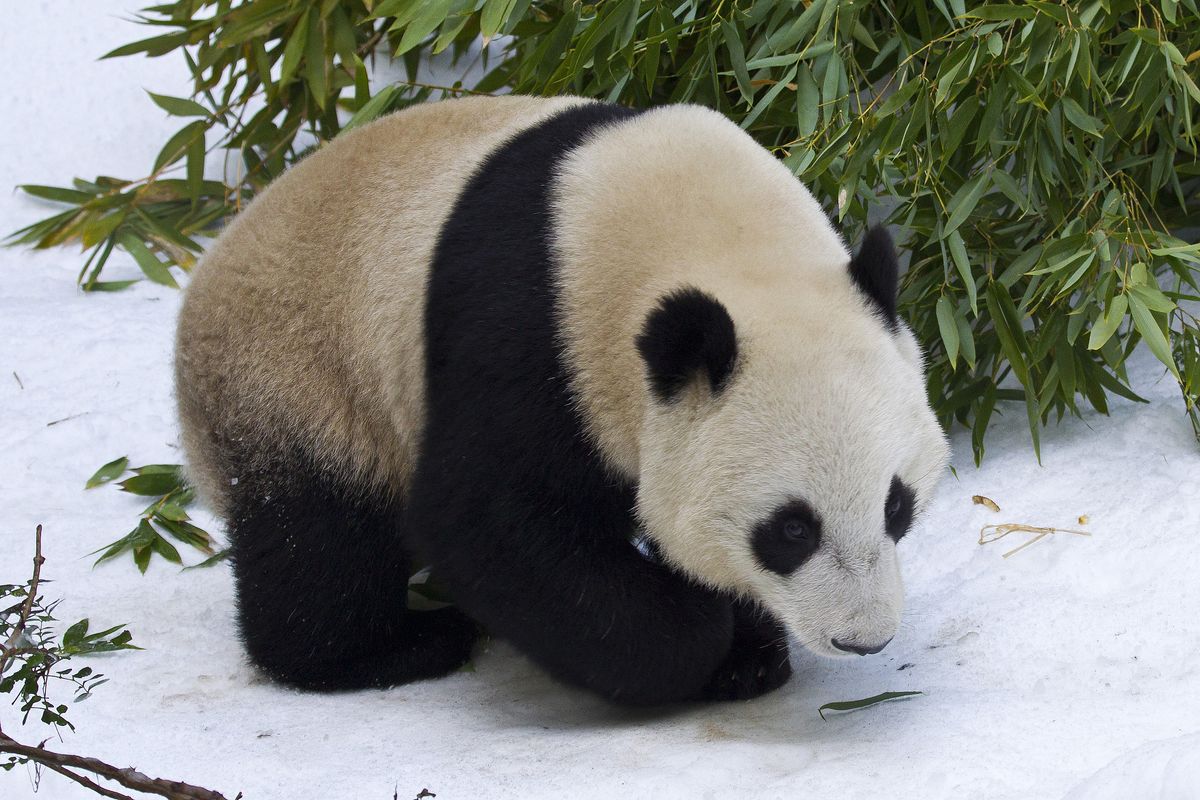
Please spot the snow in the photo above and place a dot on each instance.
(1070, 667)
(1166, 770)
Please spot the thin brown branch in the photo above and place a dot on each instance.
(440, 88)
(127, 777)
(12, 646)
(86, 782)
(367, 48)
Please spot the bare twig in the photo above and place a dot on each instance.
(65, 419)
(18, 377)
(86, 782)
(128, 777)
(367, 48)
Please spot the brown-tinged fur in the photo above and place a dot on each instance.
(303, 325)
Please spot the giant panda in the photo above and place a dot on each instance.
(505, 337)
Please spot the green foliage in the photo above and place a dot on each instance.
(1039, 158)
(33, 657)
(866, 702)
(34, 661)
(163, 518)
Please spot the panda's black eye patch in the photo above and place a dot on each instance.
(785, 540)
(898, 510)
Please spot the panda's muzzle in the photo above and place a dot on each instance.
(862, 650)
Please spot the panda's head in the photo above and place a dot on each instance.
(788, 446)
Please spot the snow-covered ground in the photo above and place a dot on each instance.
(1073, 666)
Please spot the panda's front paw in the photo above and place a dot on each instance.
(749, 672)
(758, 658)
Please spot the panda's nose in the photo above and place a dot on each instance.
(862, 650)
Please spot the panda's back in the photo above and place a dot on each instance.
(303, 325)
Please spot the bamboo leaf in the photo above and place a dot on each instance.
(161, 469)
(737, 57)
(213, 560)
(178, 106)
(433, 13)
(195, 170)
(768, 98)
(854, 705)
(372, 108)
(109, 286)
(1153, 298)
(966, 340)
(107, 473)
(59, 195)
(964, 201)
(167, 550)
(294, 50)
(154, 46)
(141, 556)
(154, 269)
(495, 13)
(958, 254)
(177, 146)
(314, 58)
(1080, 118)
(948, 327)
(1151, 333)
(1103, 330)
(807, 102)
(188, 533)
(153, 485)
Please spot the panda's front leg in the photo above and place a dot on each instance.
(579, 601)
(757, 662)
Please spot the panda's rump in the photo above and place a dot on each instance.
(302, 326)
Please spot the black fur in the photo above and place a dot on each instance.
(758, 659)
(322, 584)
(899, 509)
(510, 502)
(787, 538)
(876, 271)
(688, 333)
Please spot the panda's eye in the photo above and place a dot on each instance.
(787, 538)
(796, 529)
(893, 505)
(898, 510)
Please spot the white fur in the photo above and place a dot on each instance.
(825, 405)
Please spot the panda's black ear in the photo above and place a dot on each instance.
(687, 334)
(876, 271)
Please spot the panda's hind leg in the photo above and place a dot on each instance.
(322, 585)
